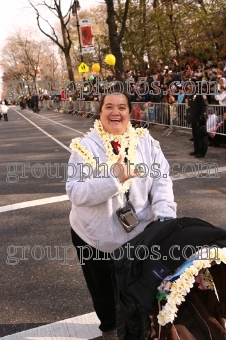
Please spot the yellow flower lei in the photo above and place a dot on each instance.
(128, 140)
(81, 150)
(181, 287)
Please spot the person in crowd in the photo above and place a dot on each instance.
(196, 115)
(211, 126)
(175, 76)
(34, 102)
(221, 81)
(180, 108)
(57, 101)
(169, 78)
(217, 136)
(181, 95)
(159, 78)
(100, 197)
(136, 112)
(150, 111)
(29, 102)
(20, 103)
(149, 80)
(4, 110)
(23, 103)
(63, 98)
(157, 97)
(46, 100)
(188, 71)
(221, 96)
(170, 113)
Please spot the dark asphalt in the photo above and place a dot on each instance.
(36, 292)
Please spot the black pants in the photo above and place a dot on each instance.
(200, 138)
(5, 117)
(99, 278)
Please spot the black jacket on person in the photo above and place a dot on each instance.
(34, 100)
(139, 273)
(197, 108)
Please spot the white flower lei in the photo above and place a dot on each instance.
(181, 287)
(128, 141)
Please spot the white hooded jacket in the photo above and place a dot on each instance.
(4, 108)
(95, 200)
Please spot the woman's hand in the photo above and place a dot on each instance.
(123, 171)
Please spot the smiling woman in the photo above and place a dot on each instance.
(115, 113)
(108, 210)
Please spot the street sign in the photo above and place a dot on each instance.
(89, 49)
(83, 68)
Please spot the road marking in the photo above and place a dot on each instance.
(62, 198)
(67, 127)
(82, 327)
(34, 203)
(46, 133)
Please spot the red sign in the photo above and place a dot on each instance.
(86, 36)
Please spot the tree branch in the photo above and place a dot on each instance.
(123, 28)
(56, 40)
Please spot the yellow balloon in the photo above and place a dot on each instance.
(96, 67)
(110, 59)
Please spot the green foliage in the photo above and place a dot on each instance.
(182, 28)
(156, 29)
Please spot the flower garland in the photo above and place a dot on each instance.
(127, 141)
(181, 287)
(85, 154)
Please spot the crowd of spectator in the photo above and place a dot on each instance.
(144, 87)
(151, 94)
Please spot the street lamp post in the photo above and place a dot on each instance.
(75, 8)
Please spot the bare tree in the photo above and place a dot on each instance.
(64, 42)
(20, 63)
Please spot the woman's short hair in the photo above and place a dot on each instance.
(116, 93)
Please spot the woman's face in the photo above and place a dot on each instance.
(114, 114)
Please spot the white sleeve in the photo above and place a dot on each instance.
(161, 194)
(85, 190)
(221, 96)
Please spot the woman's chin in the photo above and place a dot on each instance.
(117, 130)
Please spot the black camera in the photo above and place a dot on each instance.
(127, 217)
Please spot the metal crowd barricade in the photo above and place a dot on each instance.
(152, 115)
(87, 109)
(180, 116)
(92, 109)
(172, 116)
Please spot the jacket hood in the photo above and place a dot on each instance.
(94, 136)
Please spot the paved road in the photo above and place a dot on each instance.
(39, 285)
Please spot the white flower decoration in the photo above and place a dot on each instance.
(181, 287)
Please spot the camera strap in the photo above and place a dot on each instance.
(127, 214)
(116, 146)
(127, 195)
